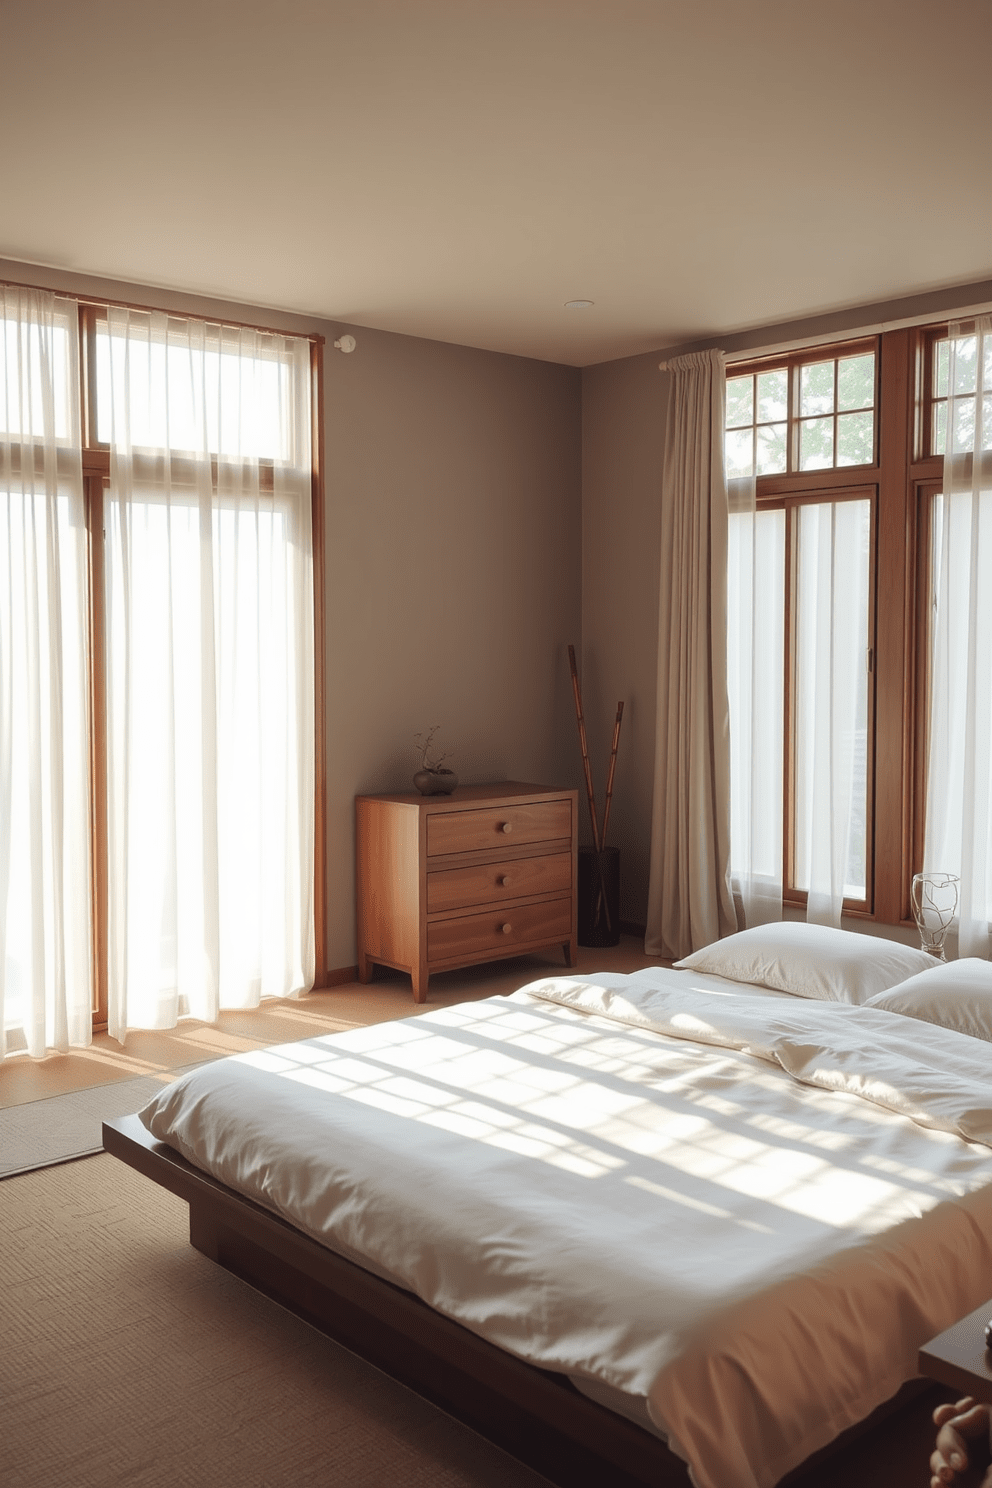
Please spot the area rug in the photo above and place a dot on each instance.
(41, 1133)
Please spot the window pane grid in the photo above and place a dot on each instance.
(757, 424)
(964, 410)
(814, 415)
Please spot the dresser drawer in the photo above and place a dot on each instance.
(474, 831)
(497, 930)
(489, 883)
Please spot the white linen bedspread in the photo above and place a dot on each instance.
(640, 1182)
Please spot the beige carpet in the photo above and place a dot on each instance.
(128, 1359)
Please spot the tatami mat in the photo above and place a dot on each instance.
(62, 1127)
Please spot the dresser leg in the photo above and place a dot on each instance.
(420, 980)
(364, 968)
(571, 957)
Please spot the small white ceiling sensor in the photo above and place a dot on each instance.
(578, 304)
(345, 343)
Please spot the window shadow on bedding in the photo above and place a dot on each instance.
(656, 1125)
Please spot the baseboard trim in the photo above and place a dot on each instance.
(335, 978)
(339, 975)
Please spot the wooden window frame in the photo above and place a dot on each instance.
(792, 364)
(903, 475)
(923, 438)
(925, 479)
(906, 474)
(789, 491)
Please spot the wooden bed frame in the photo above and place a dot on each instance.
(537, 1416)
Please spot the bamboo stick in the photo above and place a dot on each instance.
(596, 839)
(601, 896)
(584, 747)
(612, 771)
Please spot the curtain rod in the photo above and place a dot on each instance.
(102, 304)
(855, 333)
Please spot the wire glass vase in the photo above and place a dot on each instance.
(935, 900)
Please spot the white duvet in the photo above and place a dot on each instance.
(745, 1209)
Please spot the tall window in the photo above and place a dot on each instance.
(186, 727)
(800, 621)
(45, 946)
(860, 611)
(209, 644)
(957, 713)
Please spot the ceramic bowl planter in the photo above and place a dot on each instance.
(435, 782)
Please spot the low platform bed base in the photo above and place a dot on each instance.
(536, 1416)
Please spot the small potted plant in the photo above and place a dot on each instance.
(433, 779)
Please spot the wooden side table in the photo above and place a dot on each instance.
(448, 881)
(958, 1356)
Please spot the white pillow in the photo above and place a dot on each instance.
(811, 961)
(955, 994)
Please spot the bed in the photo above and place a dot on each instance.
(619, 1224)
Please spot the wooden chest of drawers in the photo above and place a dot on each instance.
(445, 881)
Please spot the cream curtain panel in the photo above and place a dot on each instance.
(210, 669)
(45, 948)
(689, 898)
(958, 834)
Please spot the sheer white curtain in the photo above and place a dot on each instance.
(827, 545)
(689, 898)
(45, 946)
(958, 835)
(755, 660)
(831, 704)
(209, 667)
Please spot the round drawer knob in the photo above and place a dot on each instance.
(507, 929)
(506, 827)
(504, 881)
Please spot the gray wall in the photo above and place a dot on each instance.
(624, 405)
(453, 558)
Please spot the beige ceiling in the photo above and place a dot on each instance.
(458, 169)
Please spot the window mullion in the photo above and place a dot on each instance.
(893, 677)
(788, 706)
(94, 495)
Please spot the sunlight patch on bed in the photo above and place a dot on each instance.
(526, 1139)
(799, 1181)
(798, 1131)
(318, 1080)
(688, 1202)
(268, 1060)
(591, 1101)
(690, 1023)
